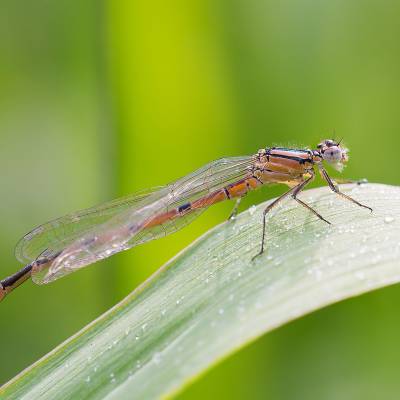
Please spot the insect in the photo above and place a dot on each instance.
(66, 244)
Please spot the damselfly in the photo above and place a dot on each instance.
(63, 245)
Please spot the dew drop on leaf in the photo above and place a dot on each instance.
(388, 219)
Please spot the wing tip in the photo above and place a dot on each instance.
(21, 246)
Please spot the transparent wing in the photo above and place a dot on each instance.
(55, 235)
(195, 186)
(127, 228)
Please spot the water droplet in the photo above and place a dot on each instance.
(364, 239)
(87, 379)
(157, 358)
(388, 219)
(241, 309)
(127, 331)
(363, 249)
(144, 327)
(252, 210)
(360, 275)
(221, 311)
(318, 274)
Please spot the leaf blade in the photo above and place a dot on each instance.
(211, 300)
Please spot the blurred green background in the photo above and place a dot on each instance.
(102, 98)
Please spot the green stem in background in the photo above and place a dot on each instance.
(211, 299)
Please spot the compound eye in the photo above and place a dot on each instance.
(332, 154)
(330, 143)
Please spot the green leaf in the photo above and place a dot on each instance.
(211, 299)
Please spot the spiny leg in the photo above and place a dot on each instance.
(312, 210)
(293, 192)
(335, 189)
(298, 189)
(234, 212)
(267, 210)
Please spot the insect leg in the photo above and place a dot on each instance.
(335, 188)
(267, 210)
(235, 209)
(312, 210)
(298, 189)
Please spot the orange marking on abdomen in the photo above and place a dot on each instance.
(236, 189)
(240, 188)
(212, 198)
(160, 218)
